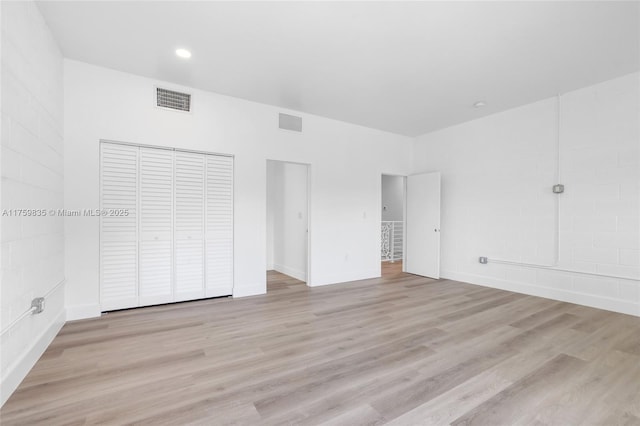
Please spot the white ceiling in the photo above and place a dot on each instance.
(404, 67)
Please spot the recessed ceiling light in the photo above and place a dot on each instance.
(479, 104)
(183, 53)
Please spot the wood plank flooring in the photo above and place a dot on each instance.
(391, 269)
(399, 350)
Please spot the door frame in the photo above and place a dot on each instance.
(308, 277)
(404, 217)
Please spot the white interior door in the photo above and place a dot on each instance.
(422, 256)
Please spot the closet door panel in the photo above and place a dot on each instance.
(119, 233)
(219, 226)
(189, 175)
(156, 226)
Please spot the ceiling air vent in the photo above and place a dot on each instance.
(290, 122)
(173, 100)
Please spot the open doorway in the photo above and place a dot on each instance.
(287, 225)
(392, 224)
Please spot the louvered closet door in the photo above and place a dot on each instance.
(219, 226)
(156, 226)
(189, 225)
(119, 234)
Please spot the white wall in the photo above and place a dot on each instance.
(287, 209)
(497, 174)
(392, 198)
(346, 163)
(32, 178)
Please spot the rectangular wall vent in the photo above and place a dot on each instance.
(174, 100)
(290, 122)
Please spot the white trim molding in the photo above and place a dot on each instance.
(18, 370)
(563, 295)
(79, 312)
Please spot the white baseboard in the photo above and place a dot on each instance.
(17, 371)
(292, 272)
(249, 289)
(600, 302)
(79, 312)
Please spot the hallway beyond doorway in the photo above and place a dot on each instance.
(391, 269)
(279, 281)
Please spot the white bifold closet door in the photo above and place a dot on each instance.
(176, 243)
(156, 226)
(189, 225)
(219, 226)
(119, 234)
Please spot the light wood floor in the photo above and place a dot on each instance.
(391, 269)
(403, 350)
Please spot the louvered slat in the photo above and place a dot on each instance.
(156, 224)
(119, 234)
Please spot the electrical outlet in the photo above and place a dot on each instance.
(483, 260)
(38, 304)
